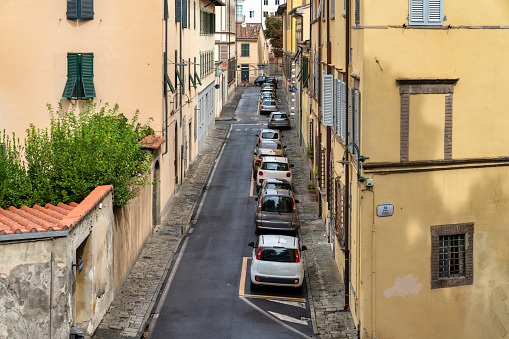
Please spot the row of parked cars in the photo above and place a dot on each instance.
(277, 252)
(268, 105)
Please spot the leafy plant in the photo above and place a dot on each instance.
(274, 33)
(309, 152)
(80, 151)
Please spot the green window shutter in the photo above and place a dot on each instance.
(72, 75)
(166, 16)
(357, 12)
(87, 75)
(184, 13)
(182, 85)
(244, 52)
(191, 76)
(194, 15)
(168, 81)
(72, 9)
(305, 71)
(178, 10)
(87, 9)
(196, 77)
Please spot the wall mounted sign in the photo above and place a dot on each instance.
(80, 265)
(385, 210)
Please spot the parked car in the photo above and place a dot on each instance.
(268, 90)
(268, 85)
(276, 211)
(273, 167)
(268, 105)
(272, 144)
(268, 150)
(279, 120)
(277, 262)
(260, 80)
(266, 96)
(269, 134)
(272, 183)
(271, 81)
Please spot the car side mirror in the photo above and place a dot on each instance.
(256, 199)
(291, 165)
(284, 146)
(296, 201)
(251, 244)
(303, 248)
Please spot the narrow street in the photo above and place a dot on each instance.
(209, 294)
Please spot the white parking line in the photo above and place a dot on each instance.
(291, 303)
(284, 317)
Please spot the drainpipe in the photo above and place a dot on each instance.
(52, 260)
(166, 68)
(319, 162)
(346, 213)
(329, 135)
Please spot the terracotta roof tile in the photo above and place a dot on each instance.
(48, 218)
(152, 142)
(248, 32)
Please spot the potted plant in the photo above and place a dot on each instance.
(312, 190)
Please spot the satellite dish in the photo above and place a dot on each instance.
(243, 25)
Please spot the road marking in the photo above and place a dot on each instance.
(253, 183)
(243, 275)
(270, 316)
(284, 317)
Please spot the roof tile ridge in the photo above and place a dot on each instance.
(16, 215)
(14, 226)
(37, 217)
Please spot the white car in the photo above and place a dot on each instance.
(277, 261)
(273, 167)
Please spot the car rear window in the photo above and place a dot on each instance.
(272, 203)
(278, 254)
(270, 145)
(275, 166)
(280, 116)
(279, 185)
(270, 135)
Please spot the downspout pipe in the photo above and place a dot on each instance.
(329, 130)
(346, 212)
(320, 113)
(166, 69)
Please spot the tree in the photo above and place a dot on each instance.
(274, 33)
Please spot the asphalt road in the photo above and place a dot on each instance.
(209, 294)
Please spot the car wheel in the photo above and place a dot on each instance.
(253, 287)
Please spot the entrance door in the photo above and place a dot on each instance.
(244, 72)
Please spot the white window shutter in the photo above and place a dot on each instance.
(338, 107)
(435, 12)
(327, 99)
(416, 13)
(343, 111)
(356, 117)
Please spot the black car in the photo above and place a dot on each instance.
(260, 80)
(273, 81)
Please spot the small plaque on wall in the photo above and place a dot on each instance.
(385, 210)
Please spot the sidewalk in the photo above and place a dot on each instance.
(130, 312)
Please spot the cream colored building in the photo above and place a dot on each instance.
(252, 52)
(411, 102)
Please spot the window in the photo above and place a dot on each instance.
(425, 12)
(332, 9)
(251, 14)
(277, 2)
(244, 50)
(279, 254)
(277, 204)
(80, 76)
(80, 9)
(266, 2)
(265, 14)
(207, 22)
(239, 11)
(452, 255)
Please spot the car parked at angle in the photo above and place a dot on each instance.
(260, 80)
(269, 134)
(268, 85)
(272, 183)
(279, 120)
(276, 212)
(273, 167)
(268, 105)
(266, 148)
(277, 261)
(271, 81)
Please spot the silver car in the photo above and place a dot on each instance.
(276, 211)
(279, 120)
(267, 106)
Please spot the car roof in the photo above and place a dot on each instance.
(275, 159)
(278, 192)
(276, 181)
(278, 240)
(265, 130)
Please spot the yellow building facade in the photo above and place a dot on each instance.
(411, 103)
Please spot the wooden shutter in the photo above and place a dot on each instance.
(332, 9)
(337, 103)
(350, 116)
(72, 75)
(416, 15)
(72, 9)
(357, 12)
(356, 118)
(178, 10)
(327, 99)
(87, 75)
(305, 71)
(435, 12)
(87, 9)
(184, 13)
(343, 111)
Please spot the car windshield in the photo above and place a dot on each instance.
(279, 116)
(275, 166)
(269, 103)
(279, 185)
(274, 203)
(278, 254)
(270, 145)
(270, 135)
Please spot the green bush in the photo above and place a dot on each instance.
(80, 151)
